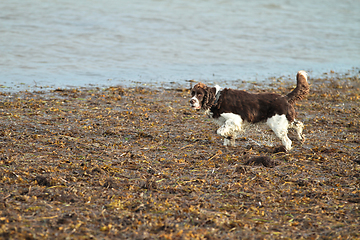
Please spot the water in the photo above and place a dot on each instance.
(64, 43)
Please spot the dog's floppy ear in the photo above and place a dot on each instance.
(209, 97)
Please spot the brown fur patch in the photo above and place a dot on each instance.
(200, 85)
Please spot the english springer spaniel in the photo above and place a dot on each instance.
(231, 109)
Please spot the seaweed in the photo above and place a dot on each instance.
(138, 163)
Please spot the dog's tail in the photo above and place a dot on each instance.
(301, 90)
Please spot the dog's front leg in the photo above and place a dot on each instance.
(228, 131)
(229, 141)
(231, 125)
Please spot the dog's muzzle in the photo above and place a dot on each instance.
(194, 103)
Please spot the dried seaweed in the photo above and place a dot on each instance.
(138, 163)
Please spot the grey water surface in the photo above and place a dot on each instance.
(65, 43)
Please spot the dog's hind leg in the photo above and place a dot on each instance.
(279, 124)
(298, 127)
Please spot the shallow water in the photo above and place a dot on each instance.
(90, 42)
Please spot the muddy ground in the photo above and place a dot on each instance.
(138, 163)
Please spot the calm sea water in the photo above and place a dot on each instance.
(64, 43)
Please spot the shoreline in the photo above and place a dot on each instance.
(139, 163)
(11, 87)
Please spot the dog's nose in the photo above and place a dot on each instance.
(192, 101)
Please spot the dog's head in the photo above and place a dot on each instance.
(202, 96)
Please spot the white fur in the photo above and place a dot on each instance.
(231, 125)
(196, 104)
(303, 73)
(218, 88)
(298, 126)
(279, 124)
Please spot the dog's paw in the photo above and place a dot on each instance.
(303, 139)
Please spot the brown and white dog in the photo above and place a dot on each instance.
(231, 109)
